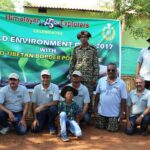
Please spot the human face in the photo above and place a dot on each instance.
(111, 71)
(140, 84)
(69, 96)
(84, 39)
(13, 83)
(76, 81)
(45, 80)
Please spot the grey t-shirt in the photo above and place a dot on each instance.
(14, 100)
(42, 96)
(138, 104)
(82, 97)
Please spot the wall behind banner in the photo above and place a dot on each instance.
(37, 42)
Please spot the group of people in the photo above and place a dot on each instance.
(74, 103)
(47, 103)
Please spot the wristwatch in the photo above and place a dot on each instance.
(142, 115)
(123, 112)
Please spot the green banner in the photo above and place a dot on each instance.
(31, 43)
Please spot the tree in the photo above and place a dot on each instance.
(6, 5)
(132, 13)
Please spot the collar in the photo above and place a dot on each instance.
(43, 89)
(84, 48)
(79, 88)
(13, 90)
(144, 92)
(117, 79)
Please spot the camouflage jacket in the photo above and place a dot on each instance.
(86, 61)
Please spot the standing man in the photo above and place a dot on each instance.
(14, 99)
(45, 98)
(143, 66)
(110, 100)
(85, 60)
(83, 98)
(138, 111)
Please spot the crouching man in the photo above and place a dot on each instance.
(14, 99)
(138, 108)
(45, 98)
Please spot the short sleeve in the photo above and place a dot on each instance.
(26, 98)
(56, 94)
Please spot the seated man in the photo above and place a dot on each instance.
(83, 98)
(110, 100)
(68, 112)
(14, 99)
(45, 98)
(138, 108)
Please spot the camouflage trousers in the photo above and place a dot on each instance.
(90, 87)
(109, 123)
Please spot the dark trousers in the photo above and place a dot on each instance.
(44, 117)
(18, 127)
(144, 124)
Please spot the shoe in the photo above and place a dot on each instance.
(4, 130)
(65, 138)
(144, 133)
(53, 132)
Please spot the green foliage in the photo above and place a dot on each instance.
(131, 11)
(6, 5)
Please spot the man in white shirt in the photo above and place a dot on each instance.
(143, 66)
(83, 98)
(138, 110)
(14, 99)
(110, 100)
(45, 98)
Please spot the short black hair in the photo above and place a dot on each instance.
(111, 63)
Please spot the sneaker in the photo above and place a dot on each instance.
(64, 138)
(4, 130)
(53, 132)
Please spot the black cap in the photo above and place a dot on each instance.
(68, 88)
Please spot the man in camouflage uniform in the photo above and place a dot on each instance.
(85, 59)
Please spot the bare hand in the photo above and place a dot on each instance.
(95, 112)
(11, 116)
(80, 116)
(34, 124)
(23, 122)
(122, 116)
(129, 124)
(139, 120)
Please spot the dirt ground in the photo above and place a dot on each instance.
(93, 139)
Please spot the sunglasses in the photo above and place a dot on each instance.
(111, 70)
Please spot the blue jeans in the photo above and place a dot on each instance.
(72, 125)
(46, 116)
(18, 127)
(144, 124)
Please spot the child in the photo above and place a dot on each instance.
(68, 112)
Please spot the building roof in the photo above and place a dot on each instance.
(91, 5)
